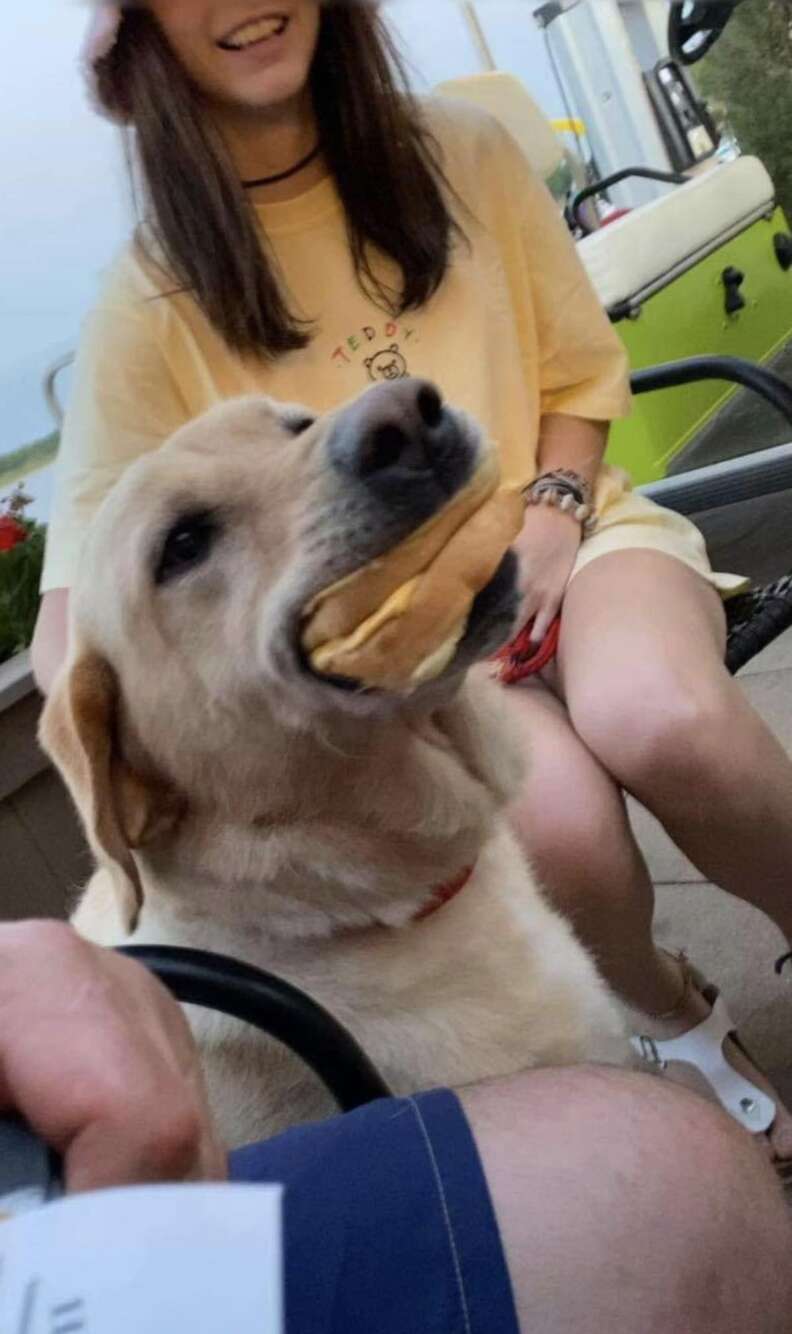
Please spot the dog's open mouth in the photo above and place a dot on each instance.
(254, 32)
(398, 622)
(344, 683)
(487, 629)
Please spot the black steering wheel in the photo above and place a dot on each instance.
(268, 1003)
(695, 26)
(274, 1007)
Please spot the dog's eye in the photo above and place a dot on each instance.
(299, 424)
(186, 545)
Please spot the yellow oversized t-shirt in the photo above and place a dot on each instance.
(515, 331)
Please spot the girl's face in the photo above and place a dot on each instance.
(252, 54)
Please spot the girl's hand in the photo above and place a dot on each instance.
(547, 549)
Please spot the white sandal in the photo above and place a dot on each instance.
(702, 1048)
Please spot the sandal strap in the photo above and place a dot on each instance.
(702, 1048)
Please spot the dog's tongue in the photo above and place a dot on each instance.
(396, 623)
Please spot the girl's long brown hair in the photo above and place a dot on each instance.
(385, 164)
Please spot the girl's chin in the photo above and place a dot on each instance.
(278, 87)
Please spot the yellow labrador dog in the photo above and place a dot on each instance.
(237, 803)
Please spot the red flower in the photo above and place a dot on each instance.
(11, 532)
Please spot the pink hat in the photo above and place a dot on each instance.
(100, 39)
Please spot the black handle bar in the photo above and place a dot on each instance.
(736, 370)
(274, 1007)
(597, 188)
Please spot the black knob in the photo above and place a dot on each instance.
(29, 1172)
(733, 280)
(782, 244)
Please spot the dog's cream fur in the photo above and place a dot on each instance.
(266, 815)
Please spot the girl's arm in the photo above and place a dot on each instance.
(572, 442)
(550, 539)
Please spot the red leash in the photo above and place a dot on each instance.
(522, 658)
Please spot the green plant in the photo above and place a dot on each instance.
(749, 72)
(21, 559)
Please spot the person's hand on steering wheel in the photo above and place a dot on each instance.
(100, 1061)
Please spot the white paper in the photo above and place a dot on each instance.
(148, 1260)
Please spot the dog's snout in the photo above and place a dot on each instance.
(393, 430)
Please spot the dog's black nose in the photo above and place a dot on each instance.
(394, 432)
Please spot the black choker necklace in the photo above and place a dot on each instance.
(284, 175)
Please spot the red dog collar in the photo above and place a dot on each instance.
(517, 661)
(443, 895)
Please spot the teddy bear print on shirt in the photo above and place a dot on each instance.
(389, 364)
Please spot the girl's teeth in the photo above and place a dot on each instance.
(259, 31)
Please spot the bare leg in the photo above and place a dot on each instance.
(641, 671)
(626, 1204)
(571, 818)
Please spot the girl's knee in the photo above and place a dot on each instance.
(674, 732)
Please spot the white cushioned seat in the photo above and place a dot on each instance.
(643, 252)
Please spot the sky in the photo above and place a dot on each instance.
(65, 208)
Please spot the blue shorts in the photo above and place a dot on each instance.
(389, 1225)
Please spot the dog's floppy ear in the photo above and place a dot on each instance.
(119, 810)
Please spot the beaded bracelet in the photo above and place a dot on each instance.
(567, 491)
